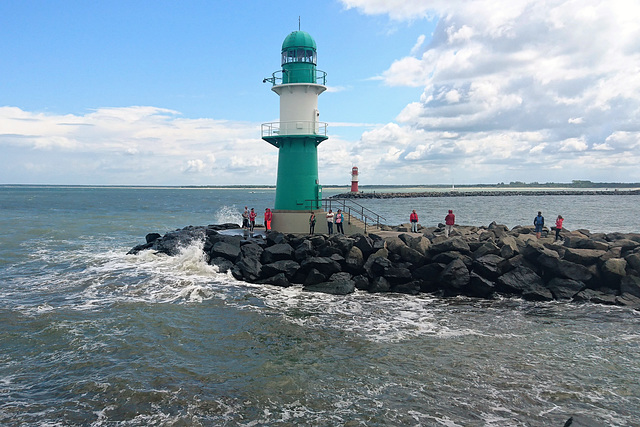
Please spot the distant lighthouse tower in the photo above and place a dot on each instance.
(297, 134)
(354, 179)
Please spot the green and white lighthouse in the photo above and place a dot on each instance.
(297, 134)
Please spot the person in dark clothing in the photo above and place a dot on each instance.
(538, 222)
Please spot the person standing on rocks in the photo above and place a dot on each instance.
(449, 222)
(413, 219)
(330, 216)
(268, 216)
(312, 223)
(538, 222)
(559, 221)
(339, 222)
(252, 219)
(245, 218)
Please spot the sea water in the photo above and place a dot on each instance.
(92, 336)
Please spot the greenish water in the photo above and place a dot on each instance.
(92, 336)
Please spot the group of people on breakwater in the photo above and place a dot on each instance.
(450, 221)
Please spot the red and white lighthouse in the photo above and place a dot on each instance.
(354, 179)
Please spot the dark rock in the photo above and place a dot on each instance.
(223, 264)
(152, 237)
(378, 267)
(279, 279)
(364, 243)
(397, 275)
(628, 300)
(630, 285)
(287, 266)
(379, 284)
(411, 255)
(137, 249)
(595, 296)
(303, 251)
(277, 252)
(324, 265)
(633, 260)
(583, 256)
(564, 289)
(275, 238)
(338, 284)
(410, 288)
(583, 243)
(225, 250)
(314, 277)
(455, 275)
(361, 282)
(328, 250)
(455, 244)
(447, 257)
(354, 260)
(524, 281)
(173, 242)
(488, 266)
(487, 248)
(342, 243)
(613, 270)
(479, 286)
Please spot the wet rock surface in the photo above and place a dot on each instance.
(483, 262)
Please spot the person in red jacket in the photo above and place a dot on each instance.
(268, 216)
(252, 219)
(449, 222)
(413, 219)
(559, 221)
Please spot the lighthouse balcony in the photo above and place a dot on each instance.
(297, 128)
(306, 75)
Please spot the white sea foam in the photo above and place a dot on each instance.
(228, 214)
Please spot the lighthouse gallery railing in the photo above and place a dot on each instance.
(294, 128)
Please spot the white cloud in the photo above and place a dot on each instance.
(132, 145)
(515, 82)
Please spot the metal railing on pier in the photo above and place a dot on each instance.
(350, 210)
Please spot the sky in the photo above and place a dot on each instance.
(418, 92)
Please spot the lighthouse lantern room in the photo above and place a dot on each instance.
(297, 134)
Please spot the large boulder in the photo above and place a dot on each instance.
(633, 260)
(287, 267)
(304, 250)
(522, 280)
(354, 260)
(565, 289)
(455, 275)
(338, 284)
(487, 248)
(342, 243)
(596, 297)
(364, 243)
(411, 255)
(583, 256)
(613, 270)
(324, 265)
(279, 279)
(396, 275)
(379, 284)
(630, 285)
(225, 250)
(174, 241)
(479, 286)
(488, 266)
(277, 252)
(456, 244)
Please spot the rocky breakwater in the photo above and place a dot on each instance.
(479, 262)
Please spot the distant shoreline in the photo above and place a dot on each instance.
(504, 192)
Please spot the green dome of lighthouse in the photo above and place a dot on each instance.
(299, 39)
